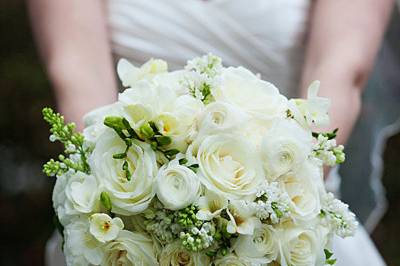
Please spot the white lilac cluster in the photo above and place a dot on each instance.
(337, 215)
(328, 151)
(208, 165)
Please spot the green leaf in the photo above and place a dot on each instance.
(119, 155)
(183, 161)
(147, 131)
(163, 140)
(172, 152)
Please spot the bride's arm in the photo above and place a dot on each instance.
(73, 42)
(343, 42)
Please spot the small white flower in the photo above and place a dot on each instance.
(313, 111)
(211, 205)
(104, 228)
(338, 216)
(242, 218)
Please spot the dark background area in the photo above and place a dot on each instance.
(25, 193)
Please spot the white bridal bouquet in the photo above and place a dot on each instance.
(208, 165)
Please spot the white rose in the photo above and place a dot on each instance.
(80, 247)
(220, 117)
(177, 186)
(104, 228)
(127, 196)
(232, 260)
(229, 165)
(286, 145)
(260, 248)
(130, 248)
(175, 255)
(74, 194)
(302, 247)
(130, 75)
(303, 189)
(242, 88)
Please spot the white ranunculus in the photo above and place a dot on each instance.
(242, 218)
(314, 110)
(303, 189)
(232, 260)
(130, 75)
(175, 254)
(177, 186)
(74, 194)
(302, 247)
(286, 145)
(242, 88)
(129, 248)
(104, 228)
(127, 196)
(220, 117)
(261, 247)
(80, 247)
(229, 165)
(211, 205)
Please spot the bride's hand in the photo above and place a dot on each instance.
(73, 42)
(344, 39)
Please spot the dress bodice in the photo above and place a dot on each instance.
(264, 36)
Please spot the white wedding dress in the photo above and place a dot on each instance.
(266, 36)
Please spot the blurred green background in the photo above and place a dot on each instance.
(25, 193)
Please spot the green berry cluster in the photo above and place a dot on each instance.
(75, 154)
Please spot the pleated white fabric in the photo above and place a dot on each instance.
(264, 36)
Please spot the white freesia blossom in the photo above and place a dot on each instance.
(302, 247)
(129, 74)
(74, 194)
(177, 186)
(314, 110)
(242, 218)
(175, 255)
(232, 260)
(211, 205)
(285, 147)
(130, 248)
(229, 165)
(303, 190)
(242, 88)
(261, 247)
(127, 196)
(80, 247)
(104, 228)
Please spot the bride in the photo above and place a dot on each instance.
(289, 42)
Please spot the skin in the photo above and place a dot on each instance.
(344, 39)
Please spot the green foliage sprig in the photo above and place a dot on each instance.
(73, 143)
(148, 133)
